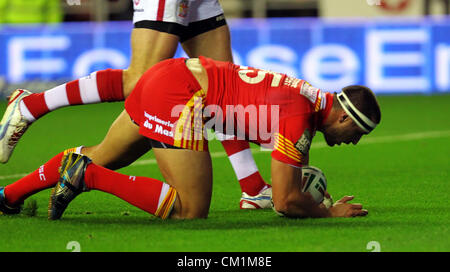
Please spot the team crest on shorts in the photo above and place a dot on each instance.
(183, 8)
(304, 143)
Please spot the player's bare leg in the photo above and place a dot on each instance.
(185, 194)
(256, 193)
(148, 47)
(190, 173)
(121, 146)
(215, 44)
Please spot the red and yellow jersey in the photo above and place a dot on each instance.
(268, 108)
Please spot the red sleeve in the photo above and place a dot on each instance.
(293, 140)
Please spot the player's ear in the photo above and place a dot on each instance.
(343, 117)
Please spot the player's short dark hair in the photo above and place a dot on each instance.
(364, 100)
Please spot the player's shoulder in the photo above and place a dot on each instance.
(316, 97)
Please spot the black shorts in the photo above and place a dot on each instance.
(184, 32)
(158, 144)
(184, 18)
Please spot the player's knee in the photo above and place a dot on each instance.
(280, 208)
(188, 210)
(194, 212)
(89, 151)
(100, 158)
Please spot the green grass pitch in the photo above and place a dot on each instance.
(400, 173)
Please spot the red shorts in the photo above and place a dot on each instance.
(167, 104)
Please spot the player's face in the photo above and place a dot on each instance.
(343, 132)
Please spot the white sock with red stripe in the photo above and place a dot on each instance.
(101, 86)
(243, 164)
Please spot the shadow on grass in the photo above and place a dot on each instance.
(228, 220)
(379, 217)
(410, 210)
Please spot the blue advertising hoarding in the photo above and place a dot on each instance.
(390, 56)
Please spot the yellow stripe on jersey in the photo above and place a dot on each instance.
(166, 206)
(286, 147)
(189, 128)
(318, 102)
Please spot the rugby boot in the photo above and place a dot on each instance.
(13, 125)
(70, 184)
(263, 200)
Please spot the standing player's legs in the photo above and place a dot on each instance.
(148, 48)
(216, 44)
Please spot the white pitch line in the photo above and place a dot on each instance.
(13, 176)
(372, 140)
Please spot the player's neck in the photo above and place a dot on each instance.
(326, 117)
(331, 118)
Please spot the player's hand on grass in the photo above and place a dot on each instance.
(344, 209)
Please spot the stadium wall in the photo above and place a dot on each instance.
(398, 56)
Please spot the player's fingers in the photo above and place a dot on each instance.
(346, 199)
(357, 206)
(361, 212)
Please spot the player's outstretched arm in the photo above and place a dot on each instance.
(291, 202)
(287, 196)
